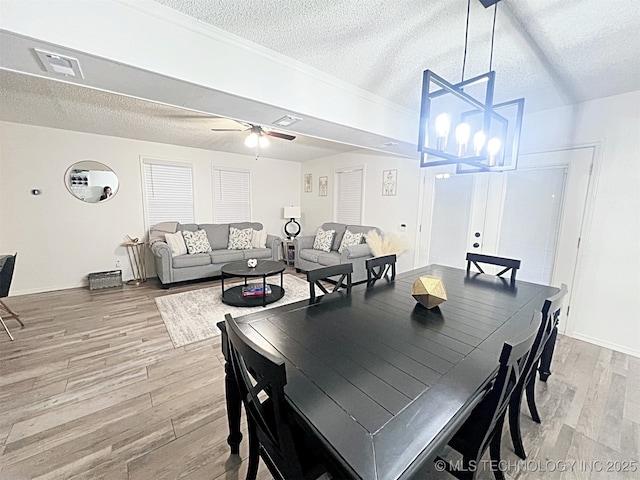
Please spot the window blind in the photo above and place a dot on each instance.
(349, 197)
(232, 196)
(169, 193)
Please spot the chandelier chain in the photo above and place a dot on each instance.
(466, 38)
(493, 33)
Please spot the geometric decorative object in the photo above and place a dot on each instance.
(485, 136)
(292, 228)
(252, 262)
(429, 291)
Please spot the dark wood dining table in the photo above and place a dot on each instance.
(378, 380)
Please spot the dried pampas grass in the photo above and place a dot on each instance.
(389, 244)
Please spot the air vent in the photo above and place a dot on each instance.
(59, 64)
(287, 120)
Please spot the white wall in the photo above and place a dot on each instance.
(60, 239)
(386, 213)
(605, 308)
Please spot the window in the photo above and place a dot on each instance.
(231, 195)
(168, 191)
(349, 195)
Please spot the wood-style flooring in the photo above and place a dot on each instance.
(93, 388)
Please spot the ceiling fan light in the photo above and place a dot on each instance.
(252, 140)
(263, 141)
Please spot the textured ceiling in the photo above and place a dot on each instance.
(552, 52)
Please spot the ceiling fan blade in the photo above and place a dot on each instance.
(229, 129)
(284, 136)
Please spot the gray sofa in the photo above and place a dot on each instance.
(307, 258)
(202, 265)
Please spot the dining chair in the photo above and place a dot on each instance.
(274, 435)
(379, 267)
(483, 428)
(315, 277)
(508, 264)
(7, 264)
(550, 316)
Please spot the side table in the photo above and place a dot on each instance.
(135, 250)
(288, 252)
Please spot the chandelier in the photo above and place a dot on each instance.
(486, 136)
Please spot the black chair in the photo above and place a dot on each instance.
(273, 433)
(379, 267)
(550, 316)
(508, 263)
(483, 428)
(7, 264)
(315, 277)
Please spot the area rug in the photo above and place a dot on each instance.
(192, 316)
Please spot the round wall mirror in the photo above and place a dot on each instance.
(91, 182)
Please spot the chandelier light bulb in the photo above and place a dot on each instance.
(478, 143)
(493, 147)
(252, 140)
(443, 125)
(263, 141)
(463, 131)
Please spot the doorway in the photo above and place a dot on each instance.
(533, 214)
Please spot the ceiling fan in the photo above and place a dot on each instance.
(257, 136)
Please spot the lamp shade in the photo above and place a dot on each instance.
(291, 212)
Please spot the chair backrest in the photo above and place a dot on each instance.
(261, 377)
(550, 315)
(509, 263)
(378, 267)
(315, 276)
(512, 364)
(7, 264)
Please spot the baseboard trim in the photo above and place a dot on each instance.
(609, 345)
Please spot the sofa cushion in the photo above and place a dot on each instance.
(189, 227)
(176, 242)
(197, 242)
(240, 239)
(243, 225)
(330, 258)
(259, 239)
(257, 253)
(194, 260)
(337, 238)
(350, 239)
(362, 229)
(218, 235)
(323, 240)
(226, 256)
(309, 254)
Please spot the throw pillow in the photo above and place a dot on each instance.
(176, 242)
(240, 239)
(197, 242)
(259, 239)
(323, 240)
(349, 239)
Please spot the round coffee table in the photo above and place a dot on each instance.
(265, 268)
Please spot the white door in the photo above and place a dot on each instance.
(533, 213)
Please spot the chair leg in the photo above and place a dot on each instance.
(12, 314)
(6, 329)
(531, 399)
(494, 450)
(514, 424)
(254, 452)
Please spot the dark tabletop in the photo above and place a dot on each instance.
(384, 382)
(264, 267)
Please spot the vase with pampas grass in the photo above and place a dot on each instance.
(388, 244)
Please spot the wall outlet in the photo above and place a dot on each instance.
(118, 264)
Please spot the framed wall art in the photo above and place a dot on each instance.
(389, 183)
(323, 183)
(308, 183)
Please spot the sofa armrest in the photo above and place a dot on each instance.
(274, 243)
(305, 241)
(163, 260)
(355, 251)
